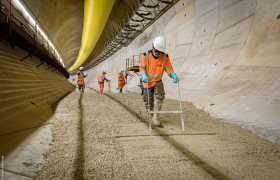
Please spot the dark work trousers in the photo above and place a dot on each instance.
(156, 96)
(81, 88)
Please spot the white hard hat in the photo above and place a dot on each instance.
(159, 43)
(121, 69)
(81, 68)
(104, 72)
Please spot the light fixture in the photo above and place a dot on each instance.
(31, 19)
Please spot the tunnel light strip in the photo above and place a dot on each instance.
(31, 19)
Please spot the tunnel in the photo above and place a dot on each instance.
(220, 120)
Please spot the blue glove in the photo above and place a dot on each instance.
(86, 75)
(174, 77)
(144, 77)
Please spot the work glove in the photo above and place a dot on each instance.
(174, 77)
(144, 77)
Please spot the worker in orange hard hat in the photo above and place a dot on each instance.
(152, 66)
(101, 79)
(80, 79)
(120, 80)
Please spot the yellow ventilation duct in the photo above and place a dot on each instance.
(96, 13)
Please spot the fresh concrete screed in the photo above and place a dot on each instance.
(114, 143)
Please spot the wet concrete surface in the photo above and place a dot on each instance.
(105, 136)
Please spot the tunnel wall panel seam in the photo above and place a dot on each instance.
(246, 69)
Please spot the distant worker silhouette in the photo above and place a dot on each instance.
(101, 79)
(152, 66)
(80, 79)
(120, 81)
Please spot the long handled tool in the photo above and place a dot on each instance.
(165, 112)
(109, 86)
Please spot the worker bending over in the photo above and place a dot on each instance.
(80, 79)
(152, 66)
(101, 79)
(120, 80)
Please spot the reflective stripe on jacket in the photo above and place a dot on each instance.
(120, 77)
(80, 78)
(155, 67)
(101, 78)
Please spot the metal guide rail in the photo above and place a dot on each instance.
(18, 30)
(143, 16)
(165, 112)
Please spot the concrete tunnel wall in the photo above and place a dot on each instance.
(28, 95)
(226, 54)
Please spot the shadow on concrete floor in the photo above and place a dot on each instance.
(79, 160)
(12, 139)
(196, 159)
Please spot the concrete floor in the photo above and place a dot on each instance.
(27, 158)
(105, 136)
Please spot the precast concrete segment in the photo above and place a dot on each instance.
(226, 55)
(96, 14)
(63, 21)
(28, 98)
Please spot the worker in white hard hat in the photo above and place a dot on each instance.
(101, 79)
(152, 66)
(120, 80)
(80, 79)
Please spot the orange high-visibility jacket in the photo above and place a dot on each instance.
(81, 77)
(101, 78)
(155, 67)
(120, 77)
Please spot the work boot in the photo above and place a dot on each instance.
(155, 119)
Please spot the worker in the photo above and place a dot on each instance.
(152, 65)
(120, 80)
(125, 76)
(80, 79)
(101, 79)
